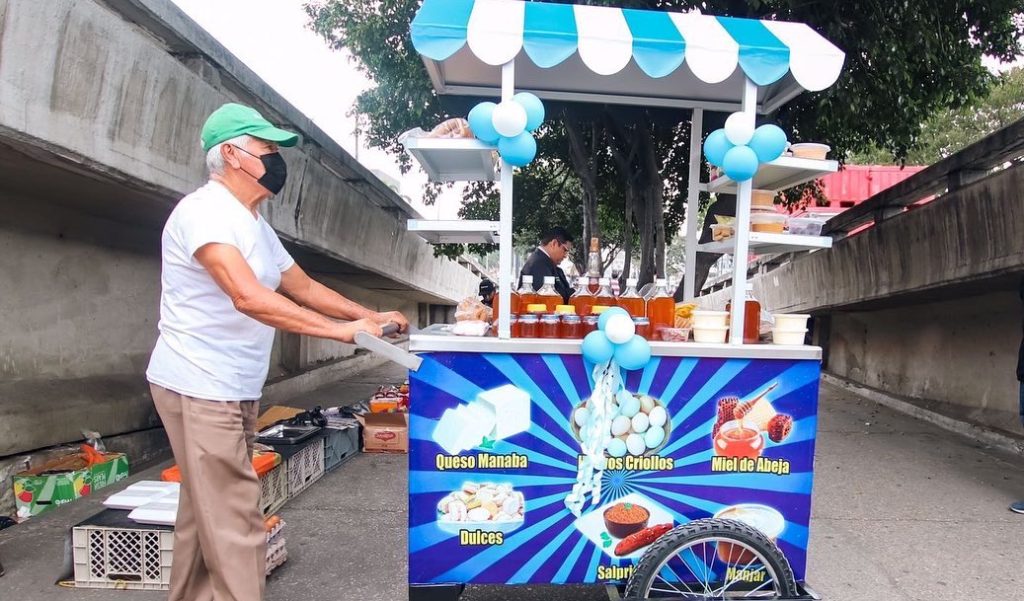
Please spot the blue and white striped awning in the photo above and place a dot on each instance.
(658, 58)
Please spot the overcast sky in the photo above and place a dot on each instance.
(271, 37)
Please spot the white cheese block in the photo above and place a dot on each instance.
(511, 408)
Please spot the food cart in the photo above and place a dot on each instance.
(505, 487)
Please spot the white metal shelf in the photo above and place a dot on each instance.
(456, 231)
(454, 159)
(781, 174)
(769, 244)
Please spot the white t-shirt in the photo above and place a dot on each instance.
(207, 349)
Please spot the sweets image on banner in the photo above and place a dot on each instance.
(484, 507)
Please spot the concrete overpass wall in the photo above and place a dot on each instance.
(99, 128)
(923, 305)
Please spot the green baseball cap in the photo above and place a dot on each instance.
(233, 120)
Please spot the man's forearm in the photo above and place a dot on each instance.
(280, 312)
(323, 300)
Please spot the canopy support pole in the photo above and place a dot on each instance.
(508, 86)
(741, 255)
(693, 205)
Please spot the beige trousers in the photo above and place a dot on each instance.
(220, 545)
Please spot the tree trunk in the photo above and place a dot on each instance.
(627, 237)
(585, 166)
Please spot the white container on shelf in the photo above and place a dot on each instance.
(710, 334)
(788, 337)
(769, 223)
(809, 150)
(790, 322)
(806, 226)
(710, 319)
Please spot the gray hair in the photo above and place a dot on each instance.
(215, 158)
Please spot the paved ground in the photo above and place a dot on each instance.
(902, 511)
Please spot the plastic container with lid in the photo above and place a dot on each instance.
(643, 328)
(589, 324)
(806, 226)
(789, 337)
(565, 310)
(715, 319)
(710, 334)
(762, 199)
(572, 327)
(808, 150)
(549, 326)
(768, 223)
(528, 326)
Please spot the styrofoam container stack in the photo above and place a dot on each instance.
(789, 330)
(710, 327)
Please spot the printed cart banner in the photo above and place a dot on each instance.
(495, 449)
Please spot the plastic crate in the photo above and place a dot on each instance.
(340, 446)
(118, 558)
(274, 490)
(305, 467)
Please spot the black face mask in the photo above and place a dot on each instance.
(275, 170)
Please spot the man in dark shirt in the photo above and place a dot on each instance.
(555, 245)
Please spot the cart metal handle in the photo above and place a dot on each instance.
(388, 350)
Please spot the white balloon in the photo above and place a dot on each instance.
(510, 118)
(619, 329)
(739, 128)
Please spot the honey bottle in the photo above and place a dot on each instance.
(751, 317)
(583, 298)
(605, 297)
(631, 301)
(661, 308)
(527, 295)
(549, 295)
(513, 303)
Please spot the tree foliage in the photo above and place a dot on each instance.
(951, 130)
(620, 172)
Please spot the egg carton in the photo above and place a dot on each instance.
(277, 554)
(273, 534)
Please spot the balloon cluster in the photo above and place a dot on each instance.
(616, 338)
(510, 126)
(739, 149)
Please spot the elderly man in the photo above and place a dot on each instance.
(227, 284)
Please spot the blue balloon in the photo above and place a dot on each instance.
(716, 146)
(480, 122)
(518, 151)
(634, 354)
(597, 348)
(740, 164)
(534, 109)
(768, 143)
(603, 320)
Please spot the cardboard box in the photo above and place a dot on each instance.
(38, 490)
(385, 432)
(275, 414)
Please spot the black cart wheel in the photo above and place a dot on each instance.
(713, 559)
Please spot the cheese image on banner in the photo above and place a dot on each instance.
(494, 414)
(511, 408)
